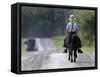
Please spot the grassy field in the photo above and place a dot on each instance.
(59, 40)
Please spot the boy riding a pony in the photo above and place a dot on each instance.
(72, 30)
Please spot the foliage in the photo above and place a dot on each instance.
(86, 21)
(43, 22)
(51, 22)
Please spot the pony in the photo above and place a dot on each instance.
(72, 44)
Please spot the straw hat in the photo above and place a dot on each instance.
(72, 17)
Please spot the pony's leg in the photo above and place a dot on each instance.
(75, 54)
(71, 54)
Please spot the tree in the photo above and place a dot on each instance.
(86, 21)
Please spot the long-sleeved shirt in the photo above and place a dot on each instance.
(71, 27)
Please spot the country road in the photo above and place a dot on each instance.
(47, 57)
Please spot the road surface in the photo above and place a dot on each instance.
(48, 58)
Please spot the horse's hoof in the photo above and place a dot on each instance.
(74, 60)
(71, 60)
(68, 58)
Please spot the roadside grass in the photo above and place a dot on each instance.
(88, 49)
(59, 40)
(23, 50)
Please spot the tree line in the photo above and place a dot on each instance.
(49, 22)
(43, 22)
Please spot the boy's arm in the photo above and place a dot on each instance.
(67, 28)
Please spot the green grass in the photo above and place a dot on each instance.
(23, 50)
(59, 40)
(88, 49)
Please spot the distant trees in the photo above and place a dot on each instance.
(48, 22)
(43, 22)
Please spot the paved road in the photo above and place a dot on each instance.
(33, 60)
(47, 58)
(60, 60)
